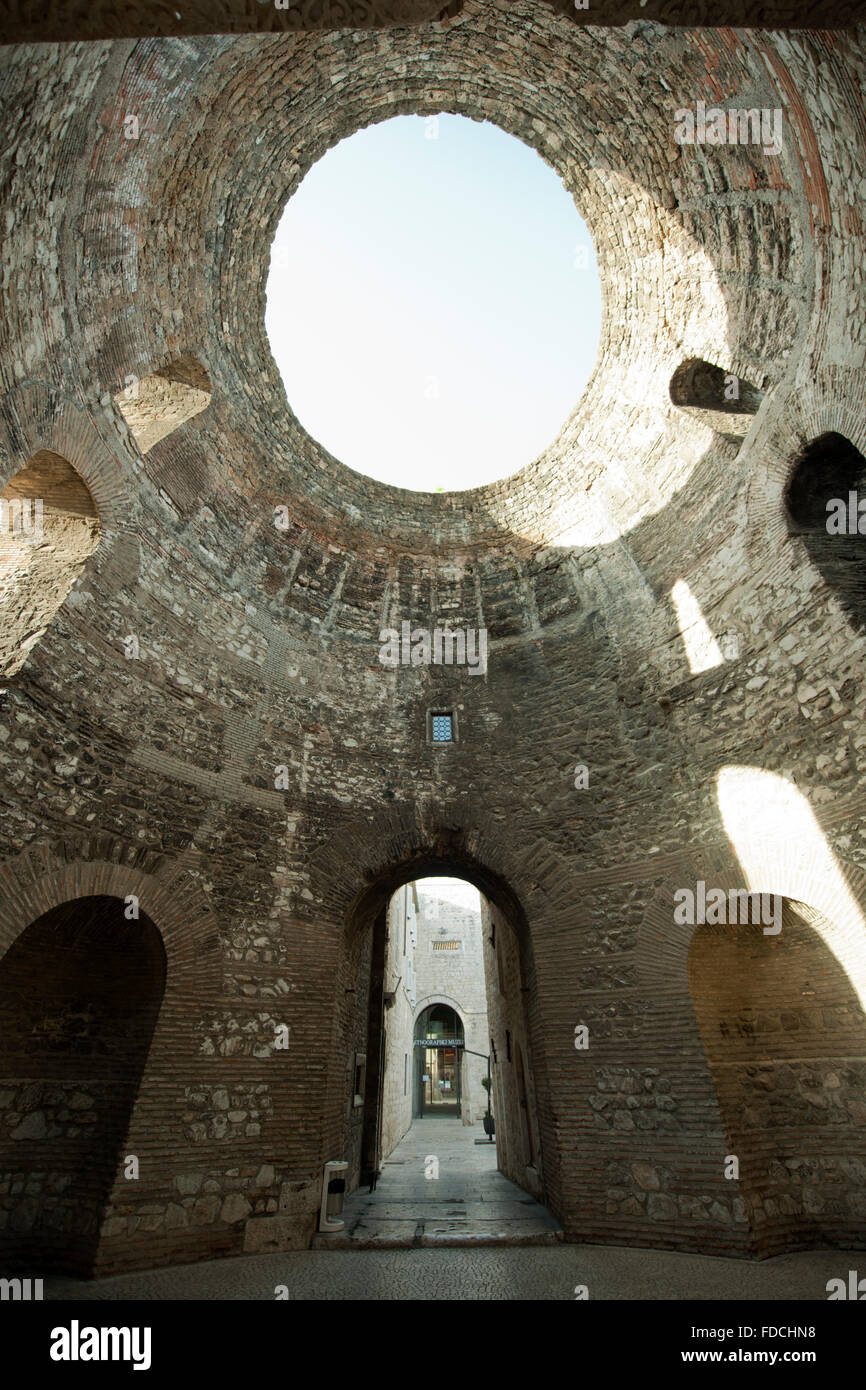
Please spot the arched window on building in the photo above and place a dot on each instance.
(49, 526)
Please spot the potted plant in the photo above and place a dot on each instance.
(489, 1127)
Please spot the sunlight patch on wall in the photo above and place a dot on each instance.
(782, 849)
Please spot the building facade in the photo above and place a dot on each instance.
(434, 976)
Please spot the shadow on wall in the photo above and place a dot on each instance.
(785, 1039)
(783, 1020)
(80, 991)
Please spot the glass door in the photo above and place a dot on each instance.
(441, 1081)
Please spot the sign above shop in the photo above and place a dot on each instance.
(439, 1042)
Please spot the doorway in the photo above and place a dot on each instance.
(441, 985)
(439, 1043)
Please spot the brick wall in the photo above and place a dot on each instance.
(397, 1094)
(258, 645)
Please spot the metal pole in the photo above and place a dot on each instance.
(486, 1056)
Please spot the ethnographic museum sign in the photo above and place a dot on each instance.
(438, 1042)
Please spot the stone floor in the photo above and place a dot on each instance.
(537, 1273)
(468, 1202)
(508, 1248)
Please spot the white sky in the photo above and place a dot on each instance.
(450, 890)
(428, 307)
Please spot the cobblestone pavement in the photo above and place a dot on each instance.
(464, 1201)
(498, 1273)
(470, 1198)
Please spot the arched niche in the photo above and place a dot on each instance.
(785, 1038)
(156, 405)
(80, 991)
(720, 399)
(704, 386)
(49, 527)
(822, 501)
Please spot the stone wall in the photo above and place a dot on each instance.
(784, 1036)
(399, 1057)
(518, 1145)
(254, 774)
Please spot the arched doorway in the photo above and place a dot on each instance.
(80, 991)
(439, 990)
(439, 1041)
(508, 967)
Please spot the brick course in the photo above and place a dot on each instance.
(157, 775)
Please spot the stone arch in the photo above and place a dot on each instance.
(790, 860)
(37, 416)
(43, 878)
(422, 1018)
(80, 991)
(40, 881)
(797, 416)
(434, 1001)
(49, 527)
(662, 950)
(782, 849)
(377, 858)
(431, 1000)
(358, 869)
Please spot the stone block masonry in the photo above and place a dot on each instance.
(148, 769)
